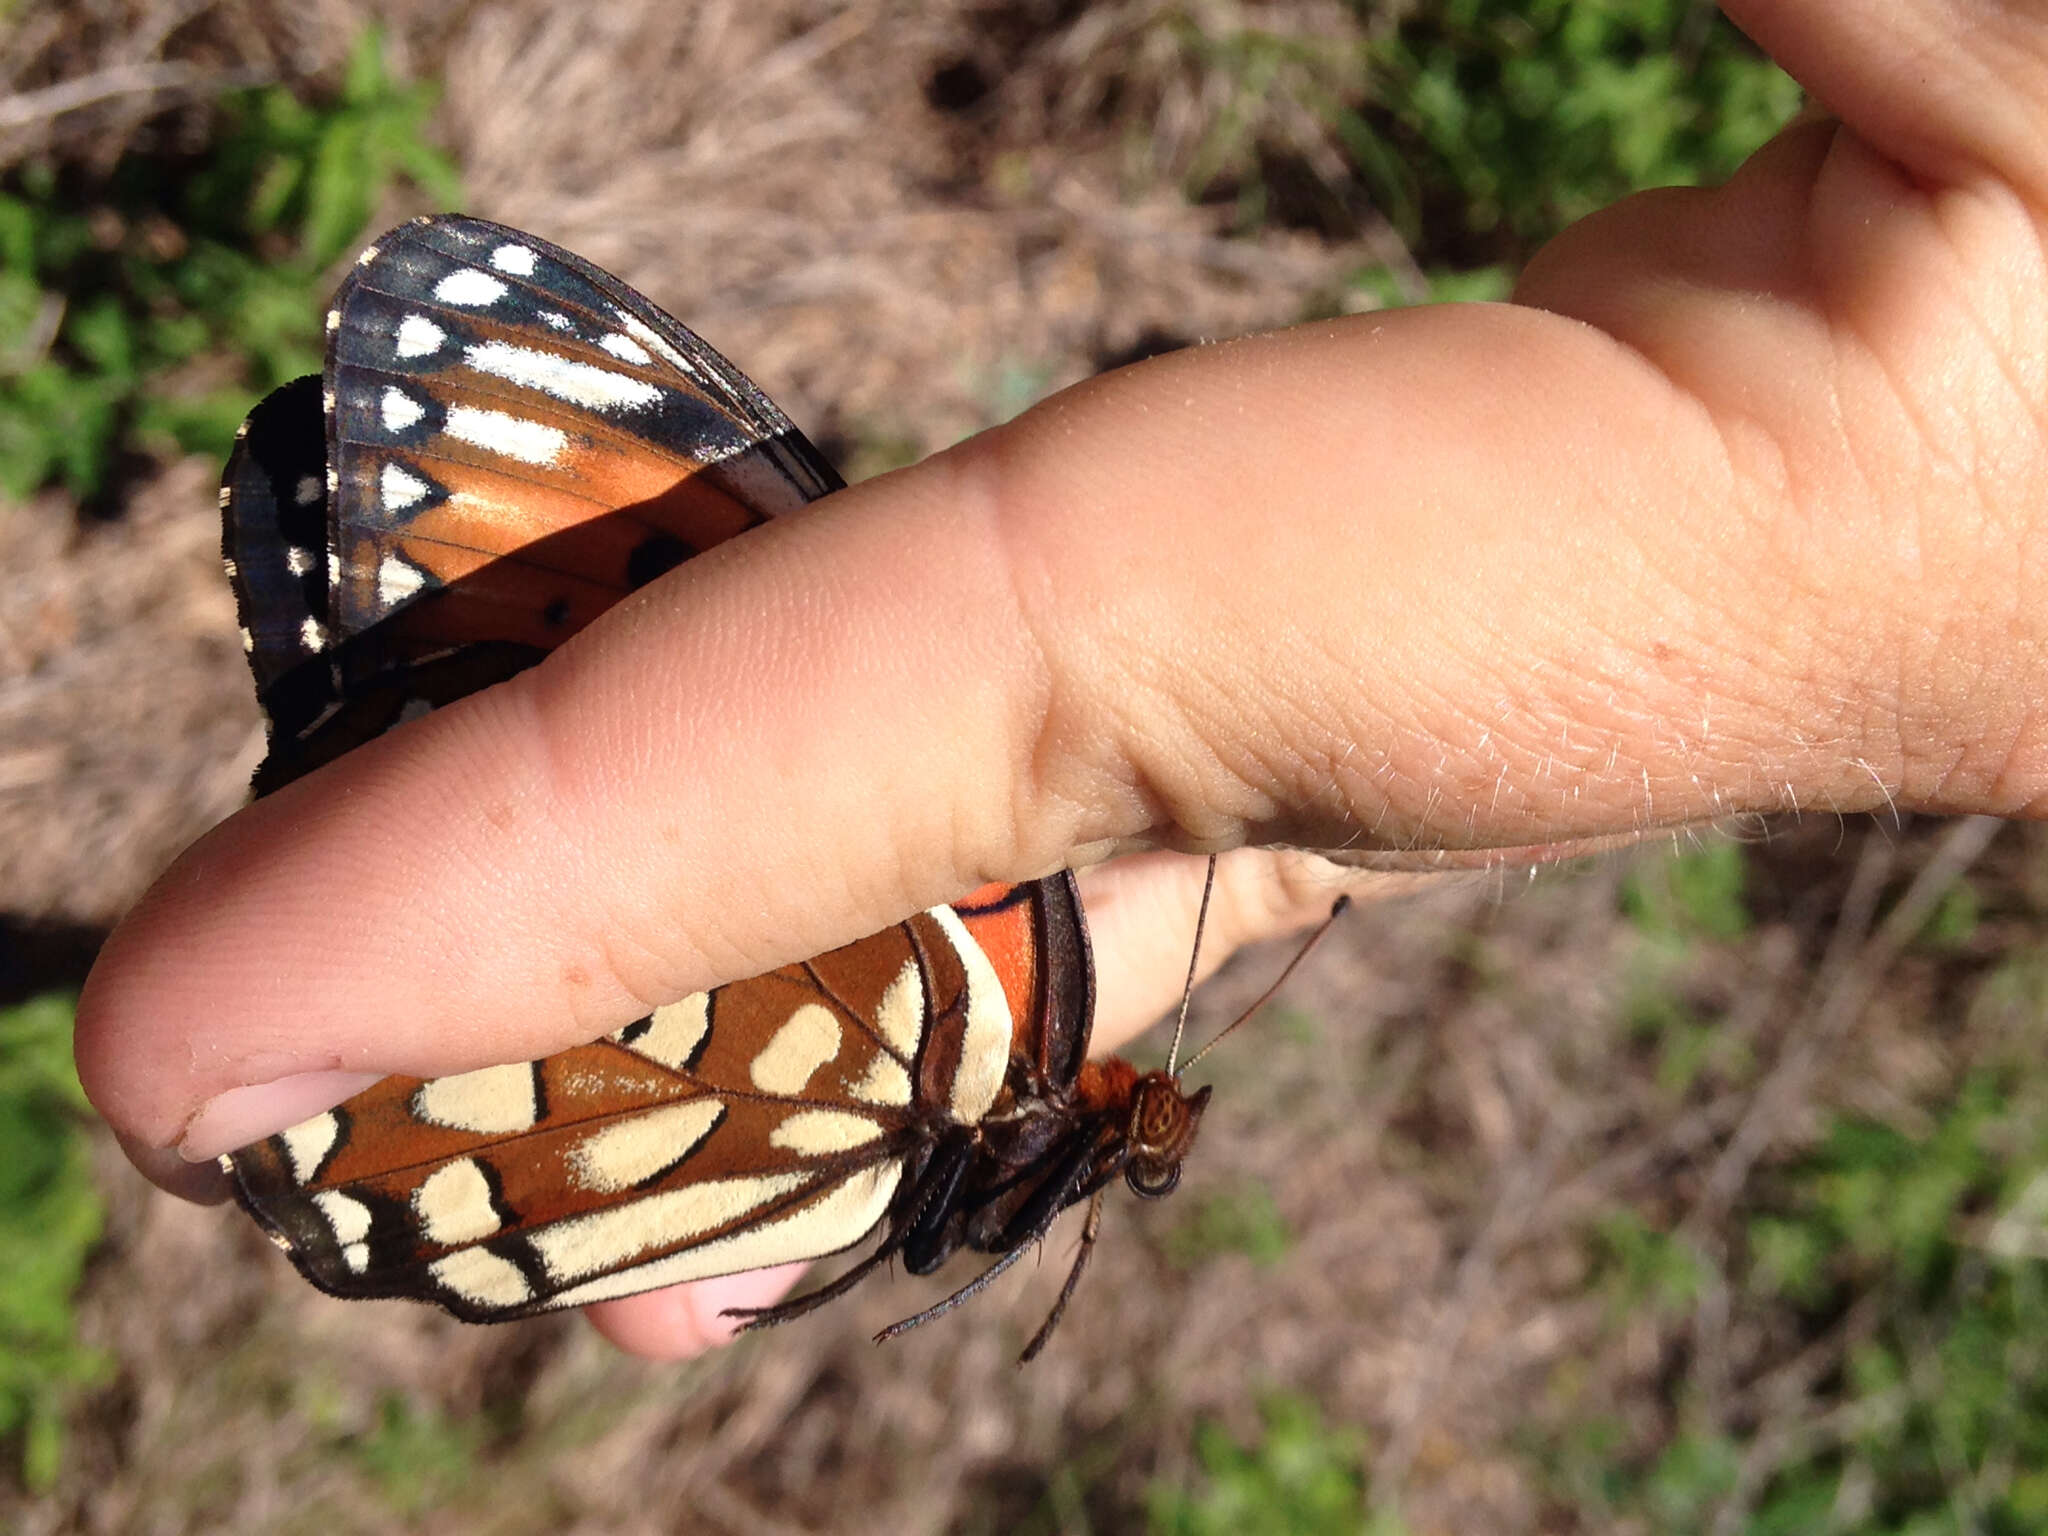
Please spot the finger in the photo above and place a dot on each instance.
(1165, 608)
(682, 1321)
(1981, 113)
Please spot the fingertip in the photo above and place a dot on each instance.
(685, 1321)
(201, 1183)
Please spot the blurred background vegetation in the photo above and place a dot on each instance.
(1699, 1191)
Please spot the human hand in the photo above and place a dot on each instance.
(1734, 511)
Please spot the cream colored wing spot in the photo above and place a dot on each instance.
(900, 1015)
(819, 1132)
(418, 337)
(515, 259)
(454, 1204)
(638, 1148)
(609, 1239)
(489, 1101)
(469, 288)
(397, 581)
(500, 432)
(837, 1220)
(399, 411)
(985, 1048)
(885, 1083)
(481, 1278)
(672, 1033)
(807, 1040)
(307, 1144)
(349, 1220)
(562, 378)
(399, 488)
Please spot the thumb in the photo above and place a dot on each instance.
(1111, 624)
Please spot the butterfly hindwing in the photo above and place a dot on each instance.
(762, 1121)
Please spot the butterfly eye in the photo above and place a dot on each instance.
(1152, 1181)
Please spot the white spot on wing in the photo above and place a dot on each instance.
(885, 1082)
(298, 561)
(640, 1146)
(469, 288)
(481, 1278)
(515, 259)
(530, 442)
(838, 1219)
(601, 1240)
(419, 337)
(626, 349)
(807, 1040)
(454, 1204)
(400, 488)
(648, 337)
(580, 384)
(488, 1100)
(307, 1144)
(356, 1256)
(347, 1218)
(399, 410)
(899, 1016)
(312, 635)
(557, 319)
(985, 1047)
(369, 255)
(820, 1132)
(673, 1032)
(397, 581)
(306, 492)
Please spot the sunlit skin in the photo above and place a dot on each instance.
(1739, 507)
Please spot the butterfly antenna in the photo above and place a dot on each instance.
(1187, 991)
(1336, 911)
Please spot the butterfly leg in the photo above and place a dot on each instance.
(787, 1311)
(1058, 1192)
(1089, 1230)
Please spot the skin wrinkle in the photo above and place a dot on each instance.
(979, 485)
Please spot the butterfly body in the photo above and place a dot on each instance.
(506, 441)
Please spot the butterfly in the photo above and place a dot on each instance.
(504, 442)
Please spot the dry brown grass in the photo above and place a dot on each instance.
(900, 218)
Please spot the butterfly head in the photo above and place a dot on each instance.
(1162, 1130)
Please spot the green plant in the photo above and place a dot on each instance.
(417, 1457)
(1301, 1478)
(1240, 1220)
(50, 1217)
(1680, 907)
(1643, 1267)
(139, 296)
(1916, 1260)
(1515, 119)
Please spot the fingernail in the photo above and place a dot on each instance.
(201, 1183)
(241, 1115)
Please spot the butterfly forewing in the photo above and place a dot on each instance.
(518, 440)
